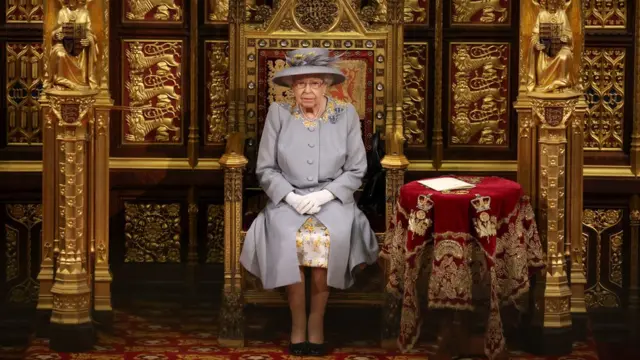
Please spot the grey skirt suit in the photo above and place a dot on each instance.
(307, 156)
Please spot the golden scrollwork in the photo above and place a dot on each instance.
(26, 214)
(153, 91)
(154, 10)
(615, 259)
(152, 232)
(584, 245)
(20, 11)
(215, 234)
(604, 75)
(479, 93)
(259, 16)
(373, 13)
(12, 256)
(71, 302)
(218, 10)
(415, 91)
(556, 305)
(316, 15)
(24, 85)
(599, 222)
(611, 14)
(218, 91)
(416, 12)
(481, 12)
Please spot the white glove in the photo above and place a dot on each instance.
(321, 197)
(302, 204)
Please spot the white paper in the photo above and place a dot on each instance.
(446, 184)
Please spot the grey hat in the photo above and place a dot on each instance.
(308, 61)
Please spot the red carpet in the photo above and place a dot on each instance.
(154, 333)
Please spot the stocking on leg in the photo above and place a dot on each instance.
(296, 297)
(319, 297)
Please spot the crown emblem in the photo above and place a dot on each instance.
(481, 203)
(424, 202)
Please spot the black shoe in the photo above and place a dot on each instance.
(317, 349)
(298, 349)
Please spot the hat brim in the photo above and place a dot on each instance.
(285, 76)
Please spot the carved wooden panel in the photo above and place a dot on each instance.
(22, 11)
(363, 63)
(414, 108)
(604, 79)
(416, 12)
(217, 90)
(22, 230)
(24, 74)
(152, 232)
(215, 234)
(479, 95)
(217, 11)
(152, 87)
(165, 11)
(611, 14)
(481, 12)
(602, 243)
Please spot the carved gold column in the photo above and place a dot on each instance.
(634, 261)
(394, 161)
(76, 105)
(575, 208)
(71, 324)
(49, 206)
(102, 278)
(552, 171)
(551, 109)
(231, 331)
(552, 116)
(527, 148)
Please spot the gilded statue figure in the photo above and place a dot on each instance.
(74, 50)
(551, 50)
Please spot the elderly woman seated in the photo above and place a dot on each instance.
(311, 160)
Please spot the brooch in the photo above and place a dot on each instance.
(333, 117)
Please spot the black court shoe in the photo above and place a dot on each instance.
(298, 349)
(316, 349)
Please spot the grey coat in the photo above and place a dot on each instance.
(292, 157)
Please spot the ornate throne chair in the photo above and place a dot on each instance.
(342, 27)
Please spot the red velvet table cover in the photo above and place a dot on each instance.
(495, 217)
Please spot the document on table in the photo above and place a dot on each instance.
(446, 184)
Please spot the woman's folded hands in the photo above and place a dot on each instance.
(309, 204)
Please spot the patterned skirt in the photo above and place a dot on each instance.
(312, 242)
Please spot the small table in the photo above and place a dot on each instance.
(478, 241)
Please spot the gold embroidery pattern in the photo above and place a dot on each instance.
(455, 192)
(393, 252)
(331, 113)
(485, 225)
(410, 319)
(461, 268)
(451, 281)
(419, 222)
(475, 180)
(313, 242)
